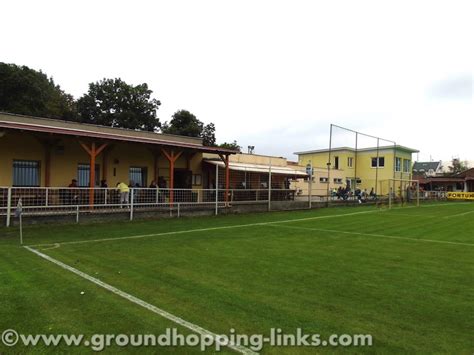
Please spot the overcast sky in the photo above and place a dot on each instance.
(273, 74)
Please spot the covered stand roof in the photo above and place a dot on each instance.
(36, 124)
(258, 168)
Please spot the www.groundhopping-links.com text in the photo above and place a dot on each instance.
(173, 338)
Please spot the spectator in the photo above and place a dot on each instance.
(73, 183)
(372, 194)
(73, 194)
(153, 185)
(124, 191)
(103, 184)
(161, 182)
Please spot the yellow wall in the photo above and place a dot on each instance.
(318, 187)
(365, 172)
(18, 146)
(121, 156)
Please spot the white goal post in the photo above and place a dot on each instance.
(400, 190)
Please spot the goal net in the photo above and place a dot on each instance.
(356, 163)
(399, 192)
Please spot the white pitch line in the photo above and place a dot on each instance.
(55, 246)
(376, 235)
(458, 215)
(232, 226)
(193, 327)
(204, 229)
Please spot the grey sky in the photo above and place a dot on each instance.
(273, 74)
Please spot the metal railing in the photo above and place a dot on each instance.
(76, 200)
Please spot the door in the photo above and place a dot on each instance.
(183, 179)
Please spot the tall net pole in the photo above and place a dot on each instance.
(355, 161)
(329, 166)
(377, 167)
(361, 161)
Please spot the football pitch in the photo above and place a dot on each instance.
(405, 276)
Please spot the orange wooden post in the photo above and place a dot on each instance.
(92, 174)
(93, 153)
(172, 157)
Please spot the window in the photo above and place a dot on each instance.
(26, 173)
(138, 176)
(381, 163)
(197, 179)
(350, 162)
(323, 180)
(337, 180)
(83, 173)
(336, 162)
(406, 165)
(398, 164)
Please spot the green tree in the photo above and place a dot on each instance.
(114, 103)
(457, 166)
(183, 123)
(30, 92)
(234, 145)
(209, 135)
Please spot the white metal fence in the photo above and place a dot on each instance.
(60, 200)
(75, 201)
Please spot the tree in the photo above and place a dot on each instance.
(183, 123)
(457, 166)
(30, 92)
(234, 145)
(114, 103)
(208, 135)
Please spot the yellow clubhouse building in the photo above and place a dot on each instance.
(39, 152)
(365, 168)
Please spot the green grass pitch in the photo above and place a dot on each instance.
(405, 276)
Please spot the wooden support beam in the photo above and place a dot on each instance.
(172, 157)
(93, 152)
(92, 174)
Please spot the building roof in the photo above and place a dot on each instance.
(46, 125)
(469, 173)
(259, 168)
(426, 166)
(338, 149)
